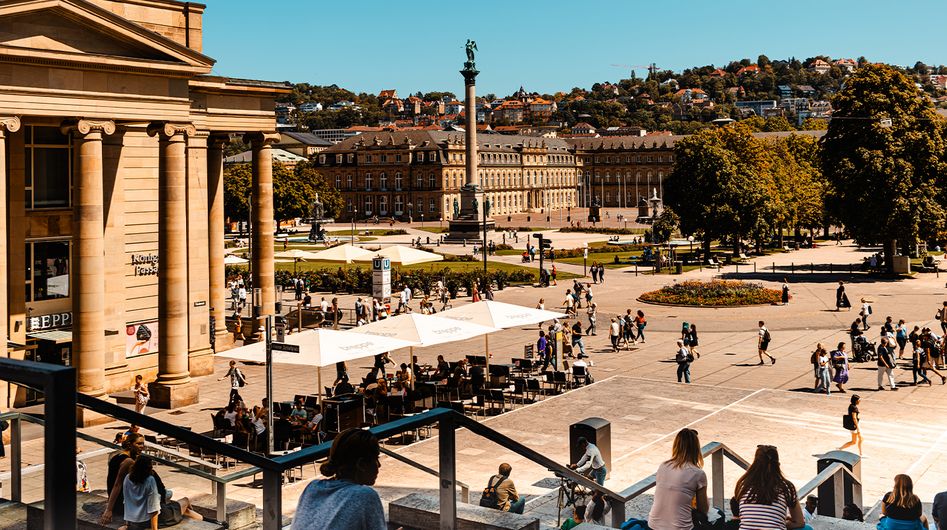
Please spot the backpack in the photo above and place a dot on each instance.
(869, 310)
(766, 336)
(241, 380)
(489, 498)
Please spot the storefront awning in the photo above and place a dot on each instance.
(56, 336)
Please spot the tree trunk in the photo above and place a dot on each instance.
(890, 249)
(706, 244)
(736, 246)
(782, 243)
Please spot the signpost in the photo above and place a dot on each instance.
(381, 278)
(272, 346)
(585, 257)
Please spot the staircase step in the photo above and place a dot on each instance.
(89, 508)
(239, 514)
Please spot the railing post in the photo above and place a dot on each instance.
(272, 499)
(447, 460)
(59, 432)
(618, 511)
(16, 460)
(716, 471)
(222, 501)
(465, 494)
(838, 488)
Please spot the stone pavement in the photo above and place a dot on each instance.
(903, 429)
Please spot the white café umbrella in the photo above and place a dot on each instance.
(423, 330)
(405, 255)
(320, 347)
(294, 255)
(230, 259)
(346, 253)
(499, 315)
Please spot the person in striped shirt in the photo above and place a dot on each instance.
(768, 501)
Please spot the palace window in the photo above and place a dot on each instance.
(47, 270)
(383, 204)
(397, 158)
(348, 181)
(338, 182)
(430, 156)
(398, 181)
(351, 158)
(368, 181)
(399, 204)
(419, 157)
(48, 168)
(384, 159)
(432, 206)
(383, 181)
(432, 181)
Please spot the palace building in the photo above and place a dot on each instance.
(418, 174)
(111, 135)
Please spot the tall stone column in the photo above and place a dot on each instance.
(261, 202)
(7, 124)
(88, 263)
(215, 236)
(173, 387)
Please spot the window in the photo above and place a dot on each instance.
(430, 156)
(338, 182)
(432, 206)
(338, 159)
(368, 181)
(383, 204)
(419, 157)
(348, 205)
(322, 160)
(398, 181)
(384, 159)
(48, 172)
(368, 159)
(348, 181)
(399, 204)
(383, 181)
(368, 205)
(397, 158)
(47, 270)
(432, 181)
(351, 158)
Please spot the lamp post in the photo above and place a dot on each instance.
(410, 213)
(422, 218)
(354, 217)
(690, 239)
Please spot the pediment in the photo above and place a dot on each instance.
(78, 31)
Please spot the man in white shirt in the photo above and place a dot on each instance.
(763, 344)
(591, 462)
(809, 510)
(324, 305)
(865, 313)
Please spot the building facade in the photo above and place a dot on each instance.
(111, 136)
(417, 175)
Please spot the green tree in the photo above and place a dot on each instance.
(798, 201)
(720, 184)
(883, 158)
(237, 192)
(329, 195)
(665, 226)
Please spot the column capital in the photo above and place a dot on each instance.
(85, 126)
(261, 137)
(167, 130)
(9, 123)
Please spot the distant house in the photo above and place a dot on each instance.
(310, 107)
(392, 105)
(758, 107)
(512, 110)
(794, 105)
(691, 96)
(939, 81)
(785, 91)
(388, 94)
(820, 67)
(413, 105)
(736, 91)
(303, 144)
(453, 107)
(847, 64)
(806, 90)
(718, 73)
(542, 108)
(583, 128)
(748, 70)
(284, 112)
(279, 157)
(339, 105)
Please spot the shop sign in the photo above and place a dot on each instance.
(51, 321)
(145, 264)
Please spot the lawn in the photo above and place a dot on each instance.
(456, 266)
(364, 231)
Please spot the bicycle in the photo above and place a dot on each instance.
(570, 493)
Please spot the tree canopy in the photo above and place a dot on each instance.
(294, 191)
(883, 157)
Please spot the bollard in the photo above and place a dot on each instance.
(830, 268)
(636, 269)
(754, 267)
(774, 268)
(850, 268)
(792, 268)
(738, 269)
(811, 268)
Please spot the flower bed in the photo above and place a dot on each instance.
(717, 293)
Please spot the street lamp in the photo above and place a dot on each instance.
(354, 217)
(690, 239)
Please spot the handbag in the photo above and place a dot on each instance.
(489, 498)
(848, 422)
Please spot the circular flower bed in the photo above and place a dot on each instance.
(716, 293)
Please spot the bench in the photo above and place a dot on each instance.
(422, 512)
(89, 508)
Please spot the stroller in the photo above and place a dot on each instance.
(863, 351)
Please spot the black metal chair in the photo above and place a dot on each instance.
(580, 376)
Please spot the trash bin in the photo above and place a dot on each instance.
(597, 431)
(827, 504)
(678, 267)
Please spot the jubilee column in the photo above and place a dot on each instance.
(88, 293)
(472, 222)
(7, 124)
(173, 387)
(261, 242)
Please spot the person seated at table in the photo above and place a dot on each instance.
(404, 375)
(341, 370)
(415, 367)
(258, 422)
(230, 413)
(370, 379)
(298, 415)
(477, 380)
(343, 387)
(307, 301)
(398, 389)
(464, 366)
(443, 369)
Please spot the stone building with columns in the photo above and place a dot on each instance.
(380, 174)
(111, 246)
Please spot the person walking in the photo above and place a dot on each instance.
(901, 335)
(614, 333)
(824, 364)
(640, 324)
(577, 338)
(886, 364)
(684, 360)
(864, 313)
(918, 361)
(762, 343)
(237, 381)
(942, 316)
(141, 394)
(840, 365)
(601, 274)
(679, 482)
(592, 312)
(541, 305)
(785, 291)
(841, 299)
(851, 422)
(593, 270)
(692, 341)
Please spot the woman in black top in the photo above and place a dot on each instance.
(901, 503)
(854, 426)
(692, 341)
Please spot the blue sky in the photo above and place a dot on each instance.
(548, 46)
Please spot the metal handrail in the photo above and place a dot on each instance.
(464, 488)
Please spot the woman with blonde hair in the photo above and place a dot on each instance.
(679, 482)
(900, 508)
(767, 499)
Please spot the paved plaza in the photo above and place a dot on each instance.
(731, 401)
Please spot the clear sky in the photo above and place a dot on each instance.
(553, 45)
